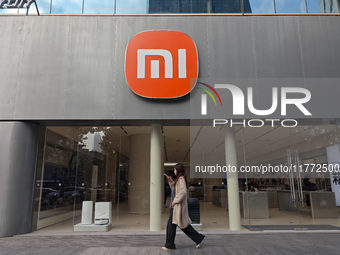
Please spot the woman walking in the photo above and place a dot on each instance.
(179, 215)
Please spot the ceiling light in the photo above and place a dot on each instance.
(170, 164)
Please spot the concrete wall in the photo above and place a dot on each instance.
(72, 67)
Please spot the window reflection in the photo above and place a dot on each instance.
(200, 6)
(326, 6)
(313, 6)
(8, 11)
(131, 6)
(262, 6)
(59, 190)
(71, 6)
(169, 6)
(290, 6)
(180, 6)
(97, 7)
(82, 164)
(229, 6)
(189, 6)
(43, 6)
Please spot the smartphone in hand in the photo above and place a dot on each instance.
(168, 177)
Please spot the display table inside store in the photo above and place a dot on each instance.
(220, 198)
(272, 198)
(323, 204)
(320, 204)
(254, 205)
(102, 219)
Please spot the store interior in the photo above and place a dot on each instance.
(86, 163)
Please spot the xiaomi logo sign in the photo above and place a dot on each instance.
(161, 64)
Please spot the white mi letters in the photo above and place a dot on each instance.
(168, 63)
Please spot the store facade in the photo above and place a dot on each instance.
(74, 130)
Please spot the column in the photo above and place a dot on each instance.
(156, 171)
(19, 150)
(232, 180)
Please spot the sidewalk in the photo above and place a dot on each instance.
(250, 243)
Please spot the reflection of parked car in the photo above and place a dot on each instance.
(49, 196)
(70, 194)
(73, 191)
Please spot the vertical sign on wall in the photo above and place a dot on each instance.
(333, 155)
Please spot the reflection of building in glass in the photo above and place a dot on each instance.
(199, 6)
(329, 6)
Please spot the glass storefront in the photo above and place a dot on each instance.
(111, 164)
(82, 164)
(288, 176)
(101, 164)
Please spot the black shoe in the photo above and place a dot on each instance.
(199, 245)
(166, 249)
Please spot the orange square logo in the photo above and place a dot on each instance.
(161, 64)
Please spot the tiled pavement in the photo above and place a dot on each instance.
(254, 243)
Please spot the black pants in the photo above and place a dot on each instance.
(171, 233)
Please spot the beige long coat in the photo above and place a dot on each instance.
(180, 212)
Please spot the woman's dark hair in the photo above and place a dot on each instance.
(180, 172)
